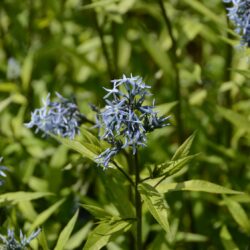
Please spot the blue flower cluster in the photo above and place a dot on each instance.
(239, 13)
(60, 118)
(125, 120)
(10, 243)
(2, 173)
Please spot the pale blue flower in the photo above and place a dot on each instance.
(10, 243)
(60, 118)
(125, 121)
(239, 14)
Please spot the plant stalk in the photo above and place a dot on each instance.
(138, 205)
(175, 61)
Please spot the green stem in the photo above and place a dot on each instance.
(138, 205)
(175, 61)
(104, 47)
(124, 173)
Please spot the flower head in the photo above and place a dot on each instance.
(10, 243)
(239, 14)
(125, 120)
(60, 118)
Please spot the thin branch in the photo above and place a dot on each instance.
(138, 204)
(175, 61)
(124, 173)
(104, 47)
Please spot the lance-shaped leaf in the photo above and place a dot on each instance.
(97, 212)
(184, 149)
(195, 185)
(22, 196)
(238, 214)
(103, 233)
(238, 120)
(66, 232)
(156, 205)
(78, 147)
(42, 217)
(171, 167)
(227, 239)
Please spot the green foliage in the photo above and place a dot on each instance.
(194, 189)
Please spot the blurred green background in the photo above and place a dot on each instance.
(75, 47)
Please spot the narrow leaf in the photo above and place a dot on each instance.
(156, 205)
(240, 121)
(66, 232)
(227, 240)
(27, 71)
(184, 149)
(42, 217)
(97, 212)
(76, 239)
(195, 185)
(102, 234)
(78, 147)
(238, 214)
(22, 196)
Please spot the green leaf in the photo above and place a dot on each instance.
(22, 196)
(43, 241)
(200, 7)
(89, 137)
(76, 239)
(112, 179)
(66, 232)
(172, 167)
(59, 158)
(42, 217)
(78, 147)
(165, 108)
(5, 103)
(27, 71)
(238, 214)
(190, 237)
(156, 205)
(184, 149)
(97, 212)
(227, 240)
(102, 234)
(195, 185)
(240, 121)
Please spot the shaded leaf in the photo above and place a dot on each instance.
(227, 240)
(42, 217)
(238, 214)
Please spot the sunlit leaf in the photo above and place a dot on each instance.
(66, 232)
(195, 185)
(102, 234)
(156, 204)
(22, 196)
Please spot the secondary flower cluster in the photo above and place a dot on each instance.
(2, 173)
(125, 120)
(239, 13)
(10, 243)
(60, 118)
